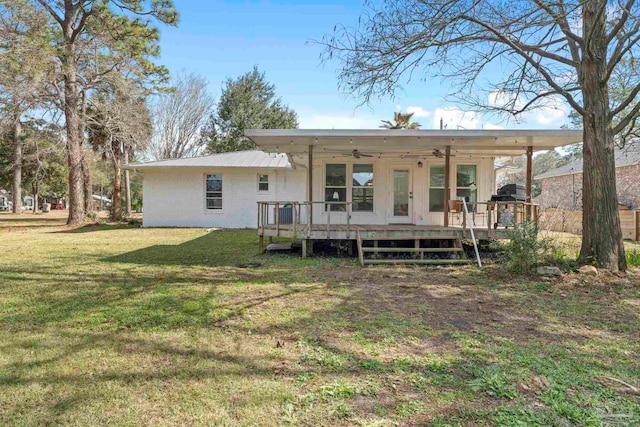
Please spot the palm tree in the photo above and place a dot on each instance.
(402, 121)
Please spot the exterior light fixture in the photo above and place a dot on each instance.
(419, 164)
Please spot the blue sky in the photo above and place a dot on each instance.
(220, 39)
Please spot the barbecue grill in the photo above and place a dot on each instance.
(506, 215)
(510, 193)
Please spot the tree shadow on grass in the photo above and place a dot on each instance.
(214, 249)
(89, 228)
(367, 313)
(124, 299)
(31, 219)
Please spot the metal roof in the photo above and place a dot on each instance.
(239, 159)
(629, 155)
(486, 141)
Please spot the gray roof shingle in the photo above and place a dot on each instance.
(629, 155)
(238, 159)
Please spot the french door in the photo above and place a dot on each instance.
(401, 209)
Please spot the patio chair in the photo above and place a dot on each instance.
(455, 210)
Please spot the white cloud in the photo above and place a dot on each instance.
(328, 121)
(491, 126)
(500, 99)
(455, 118)
(418, 112)
(551, 111)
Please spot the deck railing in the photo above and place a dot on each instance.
(496, 214)
(295, 215)
(271, 215)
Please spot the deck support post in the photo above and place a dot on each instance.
(528, 182)
(447, 176)
(310, 184)
(307, 247)
(261, 244)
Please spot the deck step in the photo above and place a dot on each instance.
(365, 236)
(279, 247)
(424, 250)
(416, 261)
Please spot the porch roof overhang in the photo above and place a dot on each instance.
(496, 142)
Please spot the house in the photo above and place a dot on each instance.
(220, 190)
(345, 184)
(562, 187)
(5, 200)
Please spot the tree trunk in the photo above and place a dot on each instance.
(127, 186)
(86, 172)
(602, 242)
(36, 194)
(87, 185)
(116, 211)
(74, 139)
(17, 164)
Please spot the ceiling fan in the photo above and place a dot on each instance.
(439, 154)
(356, 154)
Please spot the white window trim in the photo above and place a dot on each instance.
(204, 193)
(454, 178)
(349, 184)
(325, 208)
(351, 187)
(428, 198)
(453, 181)
(269, 181)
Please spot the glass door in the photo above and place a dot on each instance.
(402, 195)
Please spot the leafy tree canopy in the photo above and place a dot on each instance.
(248, 102)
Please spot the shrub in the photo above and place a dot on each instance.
(524, 249)
(92, 216)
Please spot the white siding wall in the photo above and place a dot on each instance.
(175, 197)
(383, 188)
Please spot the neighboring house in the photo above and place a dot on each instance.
(562, 187)
(372, 177)
(220, 190)
(5, 200)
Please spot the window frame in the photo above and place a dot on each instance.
(364, 187)
(259, 176)
(475, 165)
(348, 187)
(336, 208)
(431, 187)
(207, 197)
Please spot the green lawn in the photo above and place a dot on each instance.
(126, 326)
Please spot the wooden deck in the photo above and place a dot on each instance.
(375, 231)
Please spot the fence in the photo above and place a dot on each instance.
(571, 222)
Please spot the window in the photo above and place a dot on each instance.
(263, 182)
(362, 188)
(335, 186)
(467, 183)
(436, 188)
(213, 193)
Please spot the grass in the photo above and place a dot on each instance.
(568, 246)
(119, 325)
